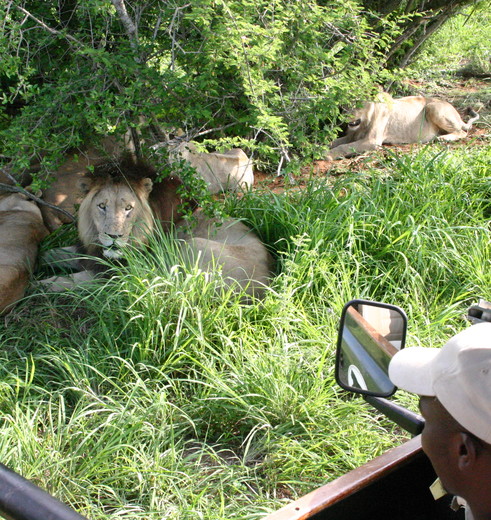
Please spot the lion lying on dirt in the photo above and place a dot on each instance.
(21, 231)
(119, 208)
(413, 119)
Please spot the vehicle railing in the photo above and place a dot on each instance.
(23, 500)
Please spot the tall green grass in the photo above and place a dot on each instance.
(157, 394)
(462, 43)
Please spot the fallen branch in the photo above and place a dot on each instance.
(29, 195)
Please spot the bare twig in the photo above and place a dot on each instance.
(284, 156)
(186, 137)
(157, 27)
(170, 31)
(9, 176)
(209, 131)
(344, 38)
(48, 28)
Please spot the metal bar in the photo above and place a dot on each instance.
(406, 419)
(23, 500)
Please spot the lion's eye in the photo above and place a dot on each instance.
(354, 123)
(102, 206)
(129, 207)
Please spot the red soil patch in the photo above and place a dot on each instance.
(320, 169)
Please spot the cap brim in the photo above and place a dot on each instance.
(411, 370)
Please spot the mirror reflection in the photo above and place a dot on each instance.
(370, 334)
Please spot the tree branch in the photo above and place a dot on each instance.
(9, 176)
(130, 27)
(29, 195)
(48, 28)
(430, 29)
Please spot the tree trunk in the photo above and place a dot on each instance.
(429, 16)
(429, 30)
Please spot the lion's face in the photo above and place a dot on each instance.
(358, 123)
(115, 213)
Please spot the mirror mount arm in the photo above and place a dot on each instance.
(409, 421)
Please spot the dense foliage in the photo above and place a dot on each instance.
(270, 76)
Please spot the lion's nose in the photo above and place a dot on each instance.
(114, 237)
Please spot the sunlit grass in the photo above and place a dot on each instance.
(158, 394)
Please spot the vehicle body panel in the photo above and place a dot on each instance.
(393, 486)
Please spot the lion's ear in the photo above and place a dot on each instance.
(85, 184)
(147, 184)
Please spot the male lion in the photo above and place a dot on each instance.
(63, 191)
(412, 119)
(21, 231)
(119, 209)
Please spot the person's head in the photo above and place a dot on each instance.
(454, 383)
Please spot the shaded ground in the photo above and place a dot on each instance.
(461, 93)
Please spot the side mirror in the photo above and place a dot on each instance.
(370, 333)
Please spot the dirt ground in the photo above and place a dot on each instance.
(462, 94)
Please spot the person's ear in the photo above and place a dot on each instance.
(467, 451)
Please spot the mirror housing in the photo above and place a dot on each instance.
(370, 333)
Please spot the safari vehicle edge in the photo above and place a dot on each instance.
(395, 485)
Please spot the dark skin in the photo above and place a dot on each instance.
(460, 459)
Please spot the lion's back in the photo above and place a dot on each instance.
(408, 123)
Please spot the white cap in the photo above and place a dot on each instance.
(458, 374)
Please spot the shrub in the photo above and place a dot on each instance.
(269, 77)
